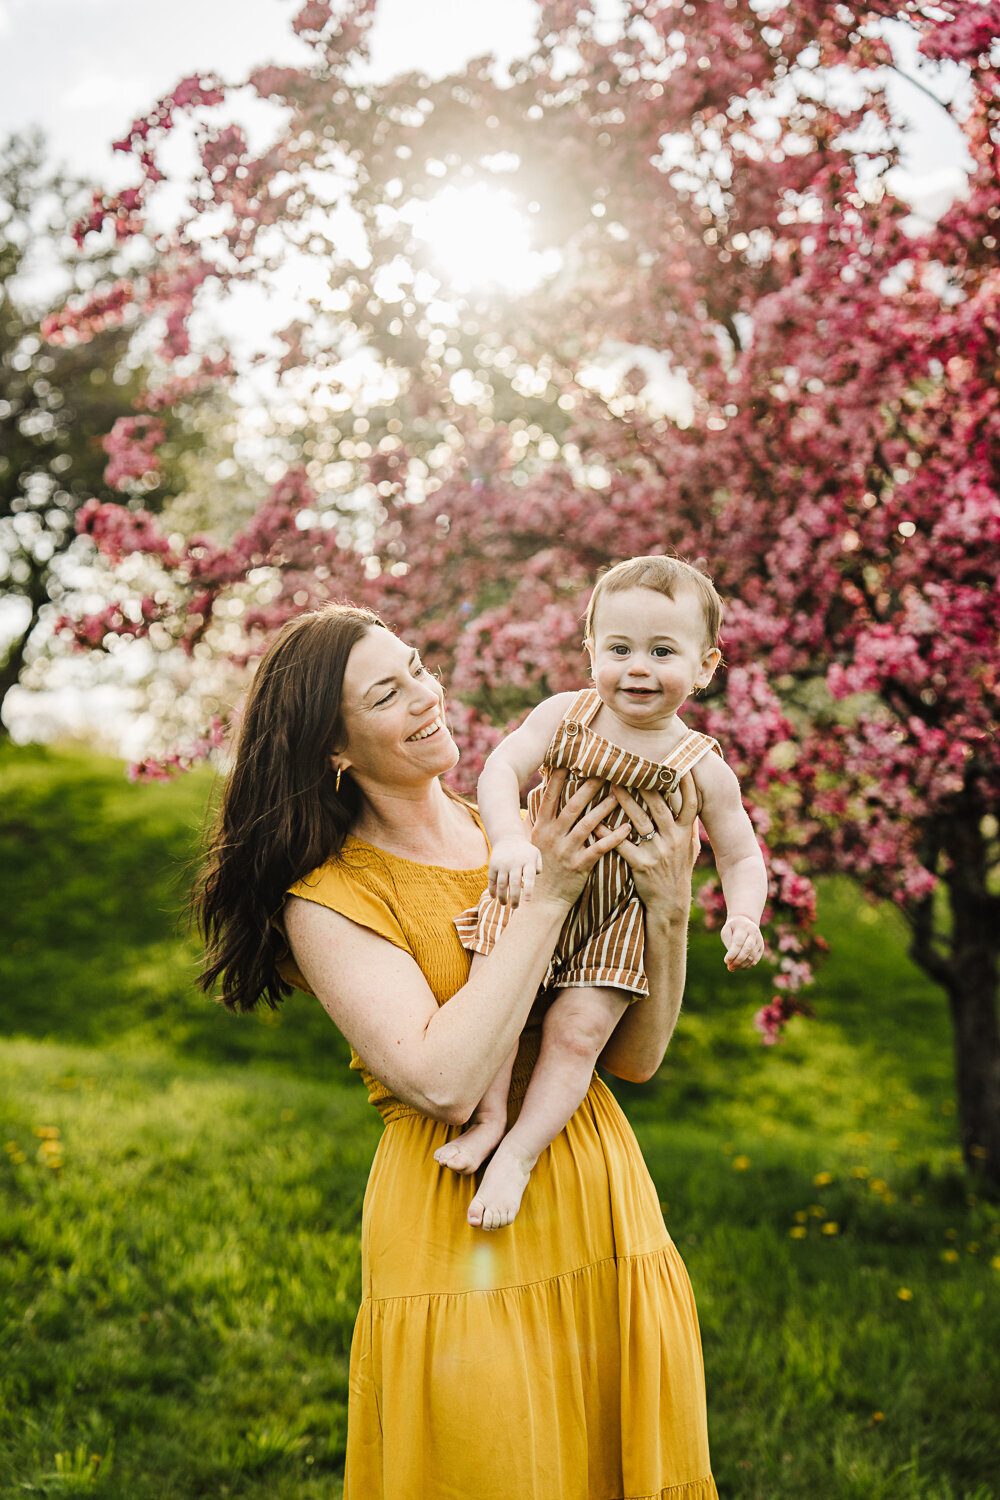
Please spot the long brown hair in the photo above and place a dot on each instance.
(281, 813)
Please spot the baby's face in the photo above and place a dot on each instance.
(649, 652)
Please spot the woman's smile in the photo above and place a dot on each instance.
(422, 734)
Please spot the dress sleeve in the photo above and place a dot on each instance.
(333, 886)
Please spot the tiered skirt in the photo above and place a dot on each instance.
(556, 1359)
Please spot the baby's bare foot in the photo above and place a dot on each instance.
(468, 1151)
(504, 1181)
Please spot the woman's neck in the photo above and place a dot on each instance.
(424, 825)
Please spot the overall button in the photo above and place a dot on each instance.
(667, 778)
(572, 727)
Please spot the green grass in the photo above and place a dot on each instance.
(180, 1197)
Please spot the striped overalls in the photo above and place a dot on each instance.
(601, 942)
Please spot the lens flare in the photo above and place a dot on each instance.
(478, 239)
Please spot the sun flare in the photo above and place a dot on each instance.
(479, 238)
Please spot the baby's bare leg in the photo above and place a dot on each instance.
(467, 1152)
(576, 1028)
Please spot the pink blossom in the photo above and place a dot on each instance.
(131, 446)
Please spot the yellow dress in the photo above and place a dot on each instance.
(556, 1359)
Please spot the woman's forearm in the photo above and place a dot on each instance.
(639, 1041)
(466, 1040)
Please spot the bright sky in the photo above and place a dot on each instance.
(83, 69)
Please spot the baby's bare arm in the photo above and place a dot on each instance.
(511, 766)
(738, 860)
(514, 860)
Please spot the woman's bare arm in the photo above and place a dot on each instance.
(661, 868)
(441, 1059)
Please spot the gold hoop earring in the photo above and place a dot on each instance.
(336, 784)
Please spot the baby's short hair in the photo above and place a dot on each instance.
(665, 575)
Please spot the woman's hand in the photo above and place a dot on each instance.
(661, 856)
(663, 849)
(561, 838)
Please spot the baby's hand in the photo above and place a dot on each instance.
(514, 863)
(744, 944)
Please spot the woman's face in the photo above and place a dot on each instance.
(393, 716)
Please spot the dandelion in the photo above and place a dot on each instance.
(740, 1163)
(973, 1247)
(46, 1132)
(995, 1262)
(822, 1179)
(878, 1416)
(950, 1257)
(798, 1232)
(877, 1185)
(861, 1172)
(816, 1211)
(50, 1154)
(904, 1294)
(830, 1227)
(10, 1146)
(17, 1157)
(801, 1216)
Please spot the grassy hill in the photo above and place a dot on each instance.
(180, 1196)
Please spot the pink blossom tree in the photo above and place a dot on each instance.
(713, 178)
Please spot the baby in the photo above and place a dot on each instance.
(652, 636)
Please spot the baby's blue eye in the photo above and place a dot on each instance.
(620, 650)
(662, 651)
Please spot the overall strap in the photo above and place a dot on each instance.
(688, 752)
(583, 707)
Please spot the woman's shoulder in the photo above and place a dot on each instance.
(355, 884)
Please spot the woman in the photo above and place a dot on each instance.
(558, 1359)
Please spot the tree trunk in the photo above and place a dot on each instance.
(963, 960)
(972, 996)
(973, 1004)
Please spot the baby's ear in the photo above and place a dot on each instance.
(709, 663)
